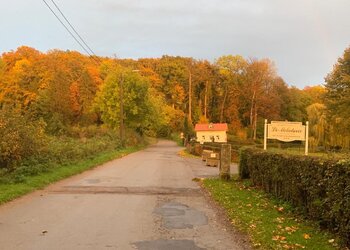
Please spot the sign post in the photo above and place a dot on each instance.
(307, 139)
(265, 134)
(287, 132)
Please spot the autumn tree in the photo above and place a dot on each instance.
(20, 78)
(68, 87)
(2, 68)
(167, 94)
(232, 70)
(174, 73)
(259, 93)
(316, 93)
(203, 78)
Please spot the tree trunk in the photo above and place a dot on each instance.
(255, 121)
(223, 105)
(252, 108)
(190, 97)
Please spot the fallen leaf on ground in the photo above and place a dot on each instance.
(280, 219)
(252, 226)
(300, 246)
(278, 237)
(291, 229)
(280, 209)
(307, 236)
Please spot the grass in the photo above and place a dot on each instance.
(269, 223)
(184, 153)
(27, 184)
(301, 151)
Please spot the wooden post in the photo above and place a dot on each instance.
(225, 161)
(265, 134)
(307, 138)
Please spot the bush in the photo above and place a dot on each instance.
(320, 187)
(194, 148)
(65, 150)
(59, 151)
(20, 138)
(90, 131)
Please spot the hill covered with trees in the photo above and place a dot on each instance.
(60, 93)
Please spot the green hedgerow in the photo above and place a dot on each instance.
(321, 188)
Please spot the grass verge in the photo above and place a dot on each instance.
(28, 184)
(269, 223)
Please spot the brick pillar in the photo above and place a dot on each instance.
(225, 161)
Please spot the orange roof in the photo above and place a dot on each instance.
(211, 127)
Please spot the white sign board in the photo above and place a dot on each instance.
(286, 131)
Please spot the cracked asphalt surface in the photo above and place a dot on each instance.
(146, 200)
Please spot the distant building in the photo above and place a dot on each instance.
(212, 132)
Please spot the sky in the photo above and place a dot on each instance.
(304, 38)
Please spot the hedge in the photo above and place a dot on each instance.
(321, 188)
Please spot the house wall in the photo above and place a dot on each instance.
(205, 136)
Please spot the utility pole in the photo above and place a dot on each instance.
(190, 97)
(121, 105)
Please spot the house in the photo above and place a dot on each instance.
(212, 132)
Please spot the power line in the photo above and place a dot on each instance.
(75, 31)
(81, 45)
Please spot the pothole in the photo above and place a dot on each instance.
(180, 216)
(163, 244)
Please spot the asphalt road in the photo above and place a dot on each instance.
(146, 200)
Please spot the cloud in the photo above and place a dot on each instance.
(304, 38)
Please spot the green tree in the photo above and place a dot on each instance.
(338, 89)
(137, 106)
(338, 100)
(317, 124)
(297, 102)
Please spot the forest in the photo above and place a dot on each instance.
(45, 97)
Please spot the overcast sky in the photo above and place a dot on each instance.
(303, 37)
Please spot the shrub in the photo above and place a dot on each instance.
(320, 187)
(20, 138)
